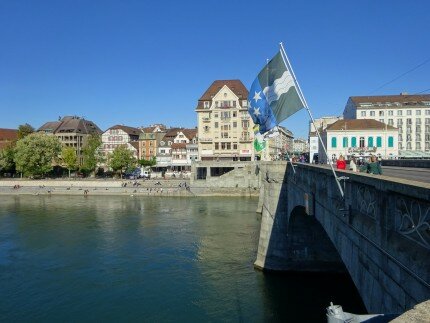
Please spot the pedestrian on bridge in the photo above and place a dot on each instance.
(374, 167)
(341, 163)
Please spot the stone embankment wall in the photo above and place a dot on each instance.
(243, 180)
(380, 231)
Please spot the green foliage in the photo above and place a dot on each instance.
(145, 163)
(69, 157)
(92, 155)
(121, 159)
(35, 154)
(24, 130)
(6, 159)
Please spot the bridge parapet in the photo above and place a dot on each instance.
(381, 231)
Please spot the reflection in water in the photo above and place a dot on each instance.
(146, 259)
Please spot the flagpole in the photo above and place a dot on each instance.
(284, 54)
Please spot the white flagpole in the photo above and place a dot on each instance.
(284, 54)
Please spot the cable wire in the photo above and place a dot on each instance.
(401, 75)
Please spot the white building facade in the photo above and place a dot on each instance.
(120, 135)
(359, 138)
(409, 113)
(321, 124)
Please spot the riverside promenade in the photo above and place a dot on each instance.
(87, 187)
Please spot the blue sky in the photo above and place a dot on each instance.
(143, 62)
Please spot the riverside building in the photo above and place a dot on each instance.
(72, 131)
(359, 138)
(224, 125)
(409, 113)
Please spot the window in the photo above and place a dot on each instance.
(390, 122)
(381, 113)
(363, 113)
(408, 112)
(234, 124)
(381, 120)
(417, 121)
(408, 146)
(378, 141)
(427, 112)
(418, 137)
(333, 142)
(400, 137)
(216, 104)
(408, 121)
(417, 112)
(390, 112)
(234, 146)
(399, 112)
(216, 115)
(390, 141)
(206, 104)
(353, 142)
(370, 142)
(372, 113)
(400, 146)
(399, 122)
(216, 146)
(427, 121)
(361, 142)
(245, 124)
(216, 125)
(345, 142)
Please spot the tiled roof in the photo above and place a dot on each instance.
(359, 124)
(50, 126)
(71, 124)
(403, 98)
(126, 129)
(235, 85)
(190, 133)
(8, 134)
(135, 144)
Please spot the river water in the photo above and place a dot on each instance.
(150, 259)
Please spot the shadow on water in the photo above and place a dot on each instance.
(303, 297)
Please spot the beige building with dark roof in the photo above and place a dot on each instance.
(72, 131)
(224, 125)
(359, 138)
(409, 113)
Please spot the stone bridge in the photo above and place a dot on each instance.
(380, 232)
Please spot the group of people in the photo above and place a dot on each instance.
(371, 166)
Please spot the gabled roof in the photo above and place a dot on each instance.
(234, 85)
(359, 124)
(135, 144)
(402, 98)
(129, 130)
(172, 133)
(189, 133)
(8, 134)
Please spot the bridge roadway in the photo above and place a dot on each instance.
(410, 173)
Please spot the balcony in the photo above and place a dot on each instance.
(206, 119)
(205, 139)
(245, 139)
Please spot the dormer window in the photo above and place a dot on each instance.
(206, 104)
